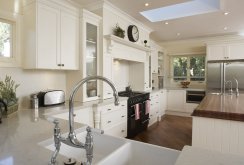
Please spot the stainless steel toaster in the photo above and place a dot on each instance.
(51, 97)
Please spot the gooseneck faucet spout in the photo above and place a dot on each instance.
(237, 88)
(72, 140)
(75, 89)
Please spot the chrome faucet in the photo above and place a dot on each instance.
(237, 88)
(229, 83)
(72, 140)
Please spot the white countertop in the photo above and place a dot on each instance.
(198, 156)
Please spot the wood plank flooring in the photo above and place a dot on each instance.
(172, 132)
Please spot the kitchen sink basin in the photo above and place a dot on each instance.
(104, 145)
(137, 153)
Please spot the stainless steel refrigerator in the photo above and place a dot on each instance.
(222, 76)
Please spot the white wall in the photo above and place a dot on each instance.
(121, 71)
(182, 47)
(32, 81)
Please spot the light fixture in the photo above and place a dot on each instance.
(166, 23)
(178, 34)
(146, 4)
(226, 13)
(225, 28)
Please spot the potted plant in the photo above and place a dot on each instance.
(118, 31)
(8, 94)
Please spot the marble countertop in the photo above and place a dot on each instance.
(228, 107)
(22, 131)
(198, 156)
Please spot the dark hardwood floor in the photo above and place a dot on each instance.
(172, 132)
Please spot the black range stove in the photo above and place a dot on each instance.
(136, 125)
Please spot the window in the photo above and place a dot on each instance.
(5, 38)
(190, 68)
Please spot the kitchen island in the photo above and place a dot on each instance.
(26, 138)
(218, 124)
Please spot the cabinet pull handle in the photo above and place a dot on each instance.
(108, 93)
(59, 64)
(109, 109)
(74, 115)
(123, 116)
(109, 121)
(122, 105)
(62, 64)
(122, 130)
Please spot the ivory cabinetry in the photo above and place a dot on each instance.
(112, 119)
(217, 134)
(163, 101)
(89, 58)
(154, 61)
(154, 113)
(176, 100)
(51, 35)
(226, 51)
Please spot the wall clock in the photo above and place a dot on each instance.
(133, 33)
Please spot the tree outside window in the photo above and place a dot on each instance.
(190, 68)
(5, 39)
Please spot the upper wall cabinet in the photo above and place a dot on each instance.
(51, 36)
(90, 53)
(230, 51)
(154, 61)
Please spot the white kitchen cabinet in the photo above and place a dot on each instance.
(89, 59)
(154, 61)
(112, 119)
(51, 36)
(190, 107)
(176, 100)
(227, 51)
(236, 51)
(163, 102)
(90, 27)
(154, 113)
(108, 73)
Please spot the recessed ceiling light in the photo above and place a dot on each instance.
(166, 23)
(178, 34)
(225, 28)
(146, 4)
(226, 13)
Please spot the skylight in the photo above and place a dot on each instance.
(180, 10)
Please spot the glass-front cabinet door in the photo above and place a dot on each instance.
(91, 59)
(90, 54)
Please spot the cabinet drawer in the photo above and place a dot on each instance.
(111, 107)
(108, 108)
(119, 130)
(113, 118)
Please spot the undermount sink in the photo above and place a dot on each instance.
(103, 146)
(137, 153)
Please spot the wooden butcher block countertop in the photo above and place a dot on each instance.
(228, 107)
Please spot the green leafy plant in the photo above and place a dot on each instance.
(118, 31)
(8, 91)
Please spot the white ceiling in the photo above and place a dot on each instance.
(204, 25)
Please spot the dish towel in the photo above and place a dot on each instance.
(137, 111)
(147, 107)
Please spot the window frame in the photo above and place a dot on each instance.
(188, 77)
(15, 20)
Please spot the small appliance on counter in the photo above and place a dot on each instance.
(51, 97)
